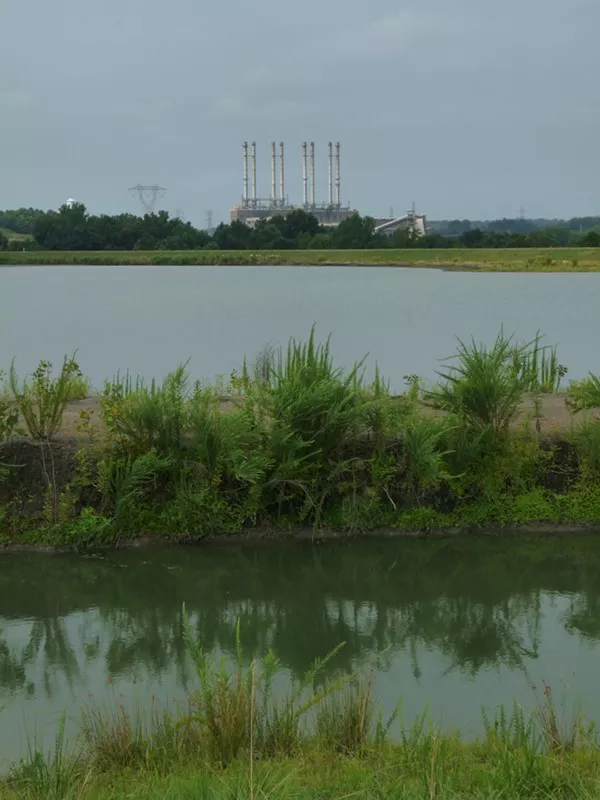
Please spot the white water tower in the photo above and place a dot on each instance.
(70, 202)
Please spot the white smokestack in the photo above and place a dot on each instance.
(338, 178)
(330, 177)
(245, 193)
(312, 174)
(273, 175)
(304, 174)
(281, 176)
(254, 173)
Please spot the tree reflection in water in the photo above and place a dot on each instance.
(477, 603)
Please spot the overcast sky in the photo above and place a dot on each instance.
(471, 108)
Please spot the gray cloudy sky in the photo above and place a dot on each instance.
(468, 107)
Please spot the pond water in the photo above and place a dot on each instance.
(458, 624)
(150, 319)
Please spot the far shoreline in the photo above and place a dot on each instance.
(527, 260)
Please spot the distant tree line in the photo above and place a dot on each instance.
(72, 228)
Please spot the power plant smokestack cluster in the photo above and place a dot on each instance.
(251, 200)
(329, 213)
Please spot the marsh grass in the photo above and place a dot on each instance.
(519, 756)
(51, 775)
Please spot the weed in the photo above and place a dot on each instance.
(42, 401)
(586, 437)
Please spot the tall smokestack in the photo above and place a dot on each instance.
(304, 174)
(254, 174)
(281, 176)
(273, 175)
(338, 177)
(245, 193)
(312, 174)
(330, 177)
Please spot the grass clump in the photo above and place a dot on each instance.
(236, 712)
(487, 384)
(310, 416)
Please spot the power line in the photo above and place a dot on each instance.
(148, 195)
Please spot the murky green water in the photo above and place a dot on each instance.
(461, 624)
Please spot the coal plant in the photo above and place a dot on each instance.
(253, 208)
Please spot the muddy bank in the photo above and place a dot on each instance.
(269, 536)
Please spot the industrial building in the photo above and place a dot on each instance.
(253, 208)
(417, 223)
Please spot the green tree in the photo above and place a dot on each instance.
(235, 236)
(591, 239)
(320, 241)
(354, 233)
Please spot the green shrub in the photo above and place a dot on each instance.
(42, 401)
(9, 417)
(312, 418)
(585, 393)
(128, 484)
(144, 418)
(586, 438)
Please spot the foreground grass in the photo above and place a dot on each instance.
(575, 259)
(438, 770)
(518, 758)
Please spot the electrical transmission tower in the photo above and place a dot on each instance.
(522, 213)
(148, 195)
(209, 220)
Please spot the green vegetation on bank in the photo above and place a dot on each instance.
(303, 444)
(483, 260)
(319, 738)
(72, 228)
